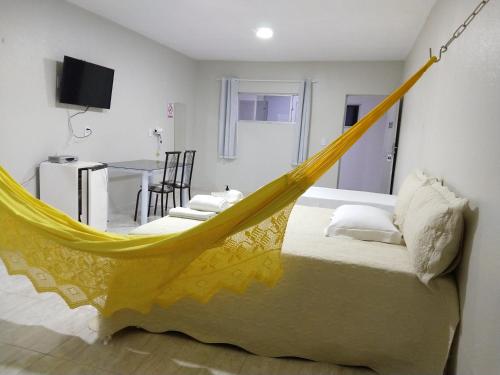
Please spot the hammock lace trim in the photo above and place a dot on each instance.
(87, 279)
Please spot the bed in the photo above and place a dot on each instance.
(340, 300)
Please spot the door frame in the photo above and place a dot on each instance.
(395, 149)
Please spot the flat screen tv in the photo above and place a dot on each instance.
(86, 84)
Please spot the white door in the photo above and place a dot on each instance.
(368, 165)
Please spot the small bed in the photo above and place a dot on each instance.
(340, 300)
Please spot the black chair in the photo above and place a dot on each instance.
(166, 186)
(186, 174)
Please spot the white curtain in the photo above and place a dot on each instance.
(228, 118)
(301, 150)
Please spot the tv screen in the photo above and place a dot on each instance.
(86, 84)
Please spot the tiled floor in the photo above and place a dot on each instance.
(124, 222)
(39, 334)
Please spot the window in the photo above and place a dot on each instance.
(268, 107)
(351, 115)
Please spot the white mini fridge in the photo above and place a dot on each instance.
(80, 189)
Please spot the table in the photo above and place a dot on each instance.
(147, 168)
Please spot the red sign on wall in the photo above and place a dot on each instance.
(170, 110)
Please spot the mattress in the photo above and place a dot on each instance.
(332, 198)
(166, 225)
(341, 301)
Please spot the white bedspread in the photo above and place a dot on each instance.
(342, 301)
(166, 225)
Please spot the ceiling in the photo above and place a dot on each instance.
(304, 30)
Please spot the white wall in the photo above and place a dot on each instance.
(265, 150)
(34, 36)
(451, 129)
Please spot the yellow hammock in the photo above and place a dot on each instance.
(113, 272)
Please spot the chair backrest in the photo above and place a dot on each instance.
(187, 167)
(171, 167)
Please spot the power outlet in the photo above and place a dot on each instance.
(158, 132)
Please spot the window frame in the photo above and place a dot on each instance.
(290, 95)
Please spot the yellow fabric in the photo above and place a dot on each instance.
(112, 272)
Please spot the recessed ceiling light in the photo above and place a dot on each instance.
(264, 33)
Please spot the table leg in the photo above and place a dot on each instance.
(144, 197)
(185, 197)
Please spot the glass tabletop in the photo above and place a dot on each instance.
(140, 165)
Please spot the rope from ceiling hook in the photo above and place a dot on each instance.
(460, 29)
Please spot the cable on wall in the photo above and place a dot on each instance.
(70, 125)
(29, 179)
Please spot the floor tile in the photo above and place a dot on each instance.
(48, 365)
(123, 354)
(14, 359)
(180, 354)
(295, 366)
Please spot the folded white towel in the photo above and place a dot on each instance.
(208, 203)
(232, 196)
(188, 213)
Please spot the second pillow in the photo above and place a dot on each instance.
(365, 223)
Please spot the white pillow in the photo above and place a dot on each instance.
(363, 223)
(411, 184)
(433, 230)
